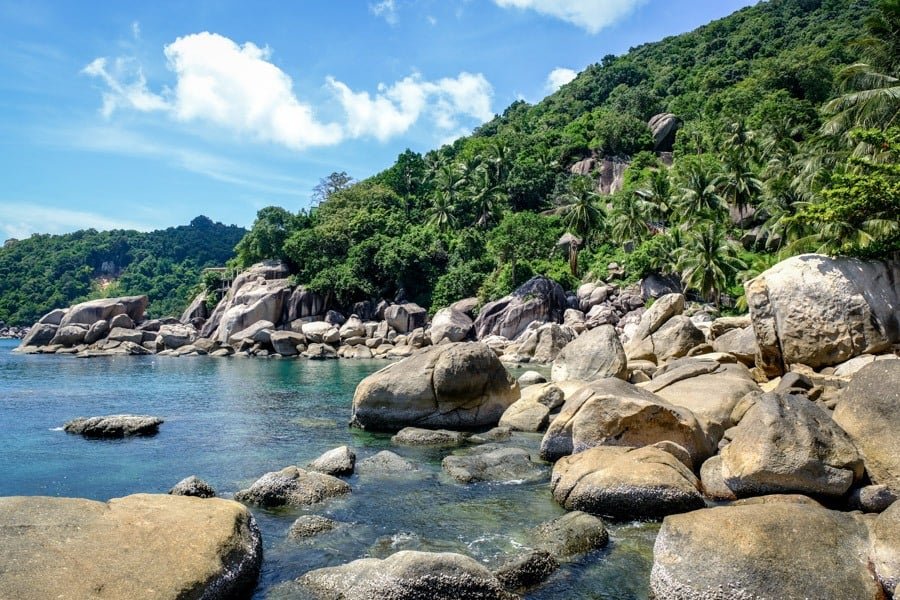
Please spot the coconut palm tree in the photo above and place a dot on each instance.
(657, 194)
(699, 196)
(707, 260)
(628, 218)
(581, 210)
(740, 184)
(487, 196)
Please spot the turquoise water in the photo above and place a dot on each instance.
(229, 421)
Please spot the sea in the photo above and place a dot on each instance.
(229, 421)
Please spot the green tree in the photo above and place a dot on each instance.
(708, 260)
(580, 208)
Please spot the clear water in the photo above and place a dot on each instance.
(229, 421)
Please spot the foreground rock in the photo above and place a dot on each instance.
(526, 570)
(773, 550)
(886, 549)
(141, 546)
(869, 411)
(615, 413)
(309, 526)
(292, 486)
(457, 386)
(595, 354)
(113, 426)
(787, 444)
(493, 463)
(822, 311)
(625, 483)
(406, 575)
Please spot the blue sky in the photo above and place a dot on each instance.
(146, 114)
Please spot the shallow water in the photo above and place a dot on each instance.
(229, 421)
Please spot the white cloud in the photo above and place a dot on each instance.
(559, 77)
(136, 30)
(386, 9)
(21, 219)
(393, 110)
(237, 88)
(432, 20)
(590, 15)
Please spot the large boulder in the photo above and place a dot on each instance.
(256, 300)
(595, 354)
(538, 299)
(303, 304)
(822, 311)
(88, 313)
(285, 342)
(663, 127)
(54, 317)
(403, 318)
(70, 335)
(97, 332)
(869, 411)
(574, 533)
(625, 483)
(886, 549)
(319, 332)
(40, 335)
(708, 388)
(532, 411)
(788, 444)
(663, 332)
(336, 462)
(457, 386)
(786, 550)
(612, 412)
(141, 546)
(292, 486)
(176, 336)
(197, 309)
(450, 324)
(739, 342)
(406, 575)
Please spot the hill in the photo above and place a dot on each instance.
(770, 151)
(44, 272)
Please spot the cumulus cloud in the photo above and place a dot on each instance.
(590, 15)
(559, 77)
(237, 87)
(386, 9)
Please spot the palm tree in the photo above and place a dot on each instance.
(740, 184)
(441, 212)
(627, 219)
(487, 196)
(657, 195)
(581, 210)
(699, 197)
(707, 260)
(499, 158)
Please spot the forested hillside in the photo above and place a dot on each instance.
(44, 272)
(788, 142)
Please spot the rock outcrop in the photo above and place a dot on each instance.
(141, 546)
(292, 486)
(456, 386)
(821, 311)
(595, 354)
(538, 299)
(88, 313)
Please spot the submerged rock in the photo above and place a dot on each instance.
(193, 486)
(492, 463)
(336, 462)
(309, 526)
(572, 534)
(414, 436)
(140, 546)
(406, 575)
(526, 570)
(385, 463)
(113, 426)
(292, 486)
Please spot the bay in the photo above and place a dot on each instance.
(229, 421)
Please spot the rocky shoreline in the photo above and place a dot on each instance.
(768, 444)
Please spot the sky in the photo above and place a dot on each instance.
(143, 115)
